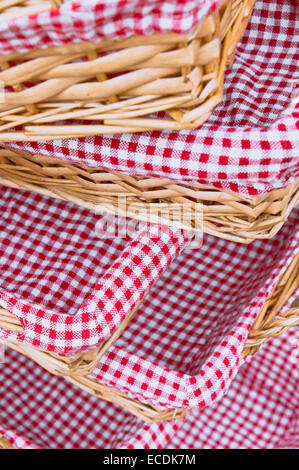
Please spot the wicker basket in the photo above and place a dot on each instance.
(76, 330)
(218, 212)
(118, 92)
(41, 411)
(266, 325)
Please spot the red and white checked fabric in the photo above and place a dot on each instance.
(39, 410)
(92, 20)
(260, 410)
(185, 344)
(69, 287)
(16, 440)
(249, 145)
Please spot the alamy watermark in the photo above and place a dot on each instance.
(125, 219)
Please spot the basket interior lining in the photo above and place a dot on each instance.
(261, 82)
(50, 253)
(200, 300)
(52, 413)
(259, 409)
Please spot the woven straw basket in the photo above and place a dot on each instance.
(267, 325)
(217, 212)
(123, 83)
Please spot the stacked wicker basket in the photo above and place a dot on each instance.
(85, 89)
(160, 73)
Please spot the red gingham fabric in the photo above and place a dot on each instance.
(260, 410)
(185, 344)
(69, 287)
(92, 20)
(39, 410)
(16, 440)
(250, 143)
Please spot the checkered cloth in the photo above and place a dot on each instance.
(70, 289)
(249, 145)
(69, 286)
(259, 410)
(184, 346)
(39, 410)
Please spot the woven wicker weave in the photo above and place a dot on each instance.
(164, 72)
(266, 326)
(218, 212)
(4, 443)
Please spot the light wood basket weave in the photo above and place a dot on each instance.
(4, 443)
(120, 85)
(217, 212)
(266, 325)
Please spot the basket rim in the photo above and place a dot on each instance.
(219, 212)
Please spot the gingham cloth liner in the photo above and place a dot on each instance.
(173, 361)
(69, 287)
(52, 413)
(16, 440)
(184, 346)
(91, 20)
(250, 144)
(259, 410)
